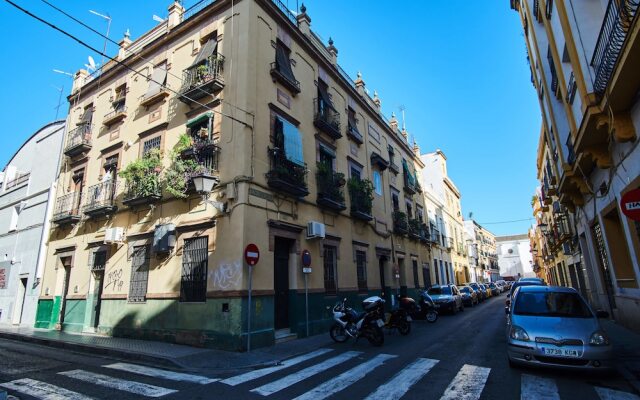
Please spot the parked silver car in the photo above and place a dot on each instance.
(554, 326)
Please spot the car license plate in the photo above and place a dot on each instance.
(560, 352)
(380, 323)
(409, 318)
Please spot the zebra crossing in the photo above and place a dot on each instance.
(47, 391)
(468, 383)
(303, 378)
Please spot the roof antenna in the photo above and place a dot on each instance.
(402, 108)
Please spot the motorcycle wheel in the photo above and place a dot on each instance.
(404, 327)
(432, 316)
(338, 334)
(376, 336)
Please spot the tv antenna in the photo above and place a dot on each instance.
(104, 48)
(57, 107)
(91, 66)
(158, 19)
(401, 107)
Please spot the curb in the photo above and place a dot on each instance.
(105, 351)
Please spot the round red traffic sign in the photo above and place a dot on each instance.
(306, 258)
(630, 204)
(251, 254)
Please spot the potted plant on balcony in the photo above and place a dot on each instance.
(143, 175)
(330, 184)
(361, 193)
(184, 147)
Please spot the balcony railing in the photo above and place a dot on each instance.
(618, 20)
(571, 154)
(119, 113)
(67, 208)
(361, 200)
(78, 140)
(330, 194)
(202, 79)
(400, 223)
(415, 228)
(326, 119)
(410, 184)
(100, 199)
(285, 175)
(18, 180)
(572, 86)
(144, 191)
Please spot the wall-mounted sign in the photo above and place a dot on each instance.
(3, 278)
(630, 204)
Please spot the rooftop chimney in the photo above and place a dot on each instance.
(78, 79)
(175, 14)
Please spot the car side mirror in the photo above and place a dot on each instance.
(602, 314)
(506, 310)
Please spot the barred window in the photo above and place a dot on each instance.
(139, 273)
(361, 270)
(330, 272)
(416, 280)
(153, 143)
(193, 286)
(426, 275)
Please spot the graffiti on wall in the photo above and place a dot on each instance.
(226, 276)
(114, 279)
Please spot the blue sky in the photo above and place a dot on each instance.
(460, 73)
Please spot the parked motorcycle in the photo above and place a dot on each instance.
(399, 319)
(425, 309)
(350, 323)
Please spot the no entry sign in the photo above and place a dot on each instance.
(630, 204)
(251, 254)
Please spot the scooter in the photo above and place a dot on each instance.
(351, 324)
(425, 309)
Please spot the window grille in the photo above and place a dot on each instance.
(193, 286)
(139, 273)
(151, 144)
(330, 273)
(361, 267)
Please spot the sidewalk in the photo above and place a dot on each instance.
(626, 346)
(165, 354)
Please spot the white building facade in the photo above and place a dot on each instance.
(514, 256)
(26, 198)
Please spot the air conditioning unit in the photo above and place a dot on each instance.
(114, 235)
(315, 230)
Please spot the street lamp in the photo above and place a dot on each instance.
(204, 184)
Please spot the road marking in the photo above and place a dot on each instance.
(535, 387)
(303, 374)
(43, 390)
(468, 384)
(120, 384)
(345, 379)
(259, 373)
(402, 381)
(161, 373)
(610, 394)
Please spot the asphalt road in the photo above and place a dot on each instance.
(459, 357)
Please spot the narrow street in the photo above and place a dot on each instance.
(468, 348)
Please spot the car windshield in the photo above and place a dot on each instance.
(439, 290)
(551, 304)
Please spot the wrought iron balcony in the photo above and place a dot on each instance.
(285, 175)
(354, 134)
(100, 199)
(410, 184)
(202, 79)
(330, 183)
(78, 140)
(144, 191)
(361, 199)
(67, 209)
(415, 228)
(618, 21)
(293, 85)
(326, 119)
(400, 223)
(118, 114)
(571, 154)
